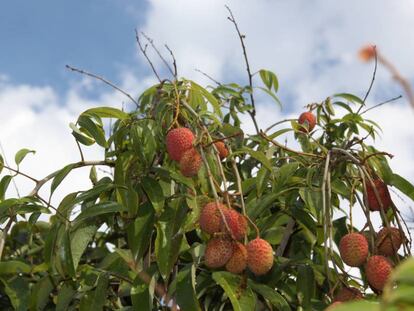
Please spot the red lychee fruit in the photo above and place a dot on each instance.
(178, 141)
(236, 222)
(259, 256)
(210, 217)
(307, 120)
(218, 252)
(222, 149)
(383, 193)
(190, 162)
(389, 240)
(378, 270)
(353, 248)
(367, 53)
(333, 306)
(238, 261)
(348, 293)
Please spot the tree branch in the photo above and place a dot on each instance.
(92, 75)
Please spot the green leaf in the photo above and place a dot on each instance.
(107, 112)
(305, 286)
(97, 297)
(81, 136)
(21, 154)
(97, 210)
(13, 267)
(65, 296)
(269, 79)
(1, 163)
(242, 299)
(60, 176)
(350, 97)
(40, 295)
(360, 305)
(140, 231)
(154, 192)
(275, 98)
(271, 295)
(403, 185)
(17, 289)
(185, 292)
(96, 131)
(168, 241)
(4, 184)
(65, 259)
(142, 295)
(258, 155)
(80, 240)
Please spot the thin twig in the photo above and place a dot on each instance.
(80, 150)
(208, 76)
(144, 52)
(275, 143)
(382, 103)
(151, 41)
(249, 73)
(92, 75)
(373, 76)
(174, 61)
(41, 182)
(6, 162)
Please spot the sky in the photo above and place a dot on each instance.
(311, 45)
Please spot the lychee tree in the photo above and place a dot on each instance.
(194, 214)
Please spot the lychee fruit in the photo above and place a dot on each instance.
(218, 252)
(222, 149)
(378, 270)
(353, 248)
(259, 256)
(307, 120)
(238, 261)
(210, 217)
(388, 241)
(190, 162)
(333, 306)
(367, 53)
(383, 193)
(348, 293)
(236, 222)
(178, 141)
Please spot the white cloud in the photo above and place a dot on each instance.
(38, 118)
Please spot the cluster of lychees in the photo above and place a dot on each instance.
(227, 227)
(354, 248)
(180, 147)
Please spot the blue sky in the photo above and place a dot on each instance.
(40, 37)
(311, 45)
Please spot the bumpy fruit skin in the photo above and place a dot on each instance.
(389, 240)
(236, 222)
(178, 141)
(190, 163)
(238, 261)
(333, 306)
(218, 252)
(259, 256)
(222, 149)
(210, 217)
(353, 248)
(383, 193)
(378, 270)
(347, 294)
(309, 119)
